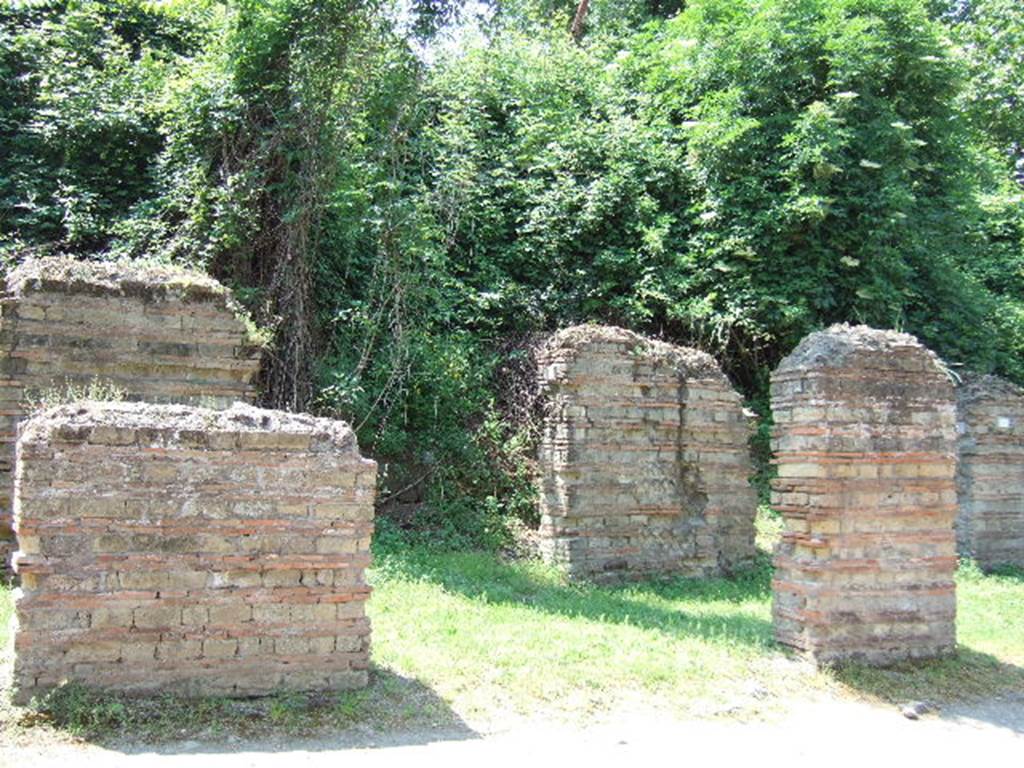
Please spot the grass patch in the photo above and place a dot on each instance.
(486, 634)
(468, 636)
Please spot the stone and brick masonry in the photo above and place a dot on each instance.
(865, 446)
(990, 476)
(173, 548)
(160, 334)
(644, 462)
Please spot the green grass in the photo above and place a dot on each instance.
(479, 631)
(515, 636)
(470, 637)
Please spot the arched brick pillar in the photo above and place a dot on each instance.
(865, 447)
(990, 474)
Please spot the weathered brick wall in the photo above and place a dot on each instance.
(160, 334)
(865, 447)
(990, 475)
(172, 548)
(644, 461)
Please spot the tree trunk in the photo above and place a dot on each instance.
(580, 20)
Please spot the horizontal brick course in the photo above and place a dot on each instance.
(150, 535)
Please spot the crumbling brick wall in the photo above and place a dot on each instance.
(865, 446)
(173, 548)
(644, 460)
(990, 474)
(159, 334)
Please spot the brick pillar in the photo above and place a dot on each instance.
(160, 334)
(990, 475)
(644, 461)
(865, 446)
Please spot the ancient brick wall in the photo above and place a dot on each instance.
(159, 334)
(172, 548)
(644, 461)
(865, 446)
(990, 474)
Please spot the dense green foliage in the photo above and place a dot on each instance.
(990, 34)
(732, 176)
(80, 128)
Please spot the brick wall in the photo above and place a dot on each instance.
(990, 476)
(172, 548)
(160, 334)
(644, 462)
(865, 447)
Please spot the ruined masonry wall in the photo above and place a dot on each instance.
(169, 548)
(644, 461)
(990, 477)
(160, 334)
(865, 446)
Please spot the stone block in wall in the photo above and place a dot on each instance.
(644, 459)
(990, 473)
(158, 333)
(174, 548)
(864, 441)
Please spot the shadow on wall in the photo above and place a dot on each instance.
(485, 579)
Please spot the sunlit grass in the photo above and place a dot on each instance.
(493, 636)
(481, 632)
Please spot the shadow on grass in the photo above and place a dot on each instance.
(699, 608)
(971, 684)
(677, 606)
(392, 711)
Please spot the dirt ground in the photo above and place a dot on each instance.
(832, 731)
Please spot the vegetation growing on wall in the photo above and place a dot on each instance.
(724, 173)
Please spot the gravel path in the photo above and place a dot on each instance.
(830, 732)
